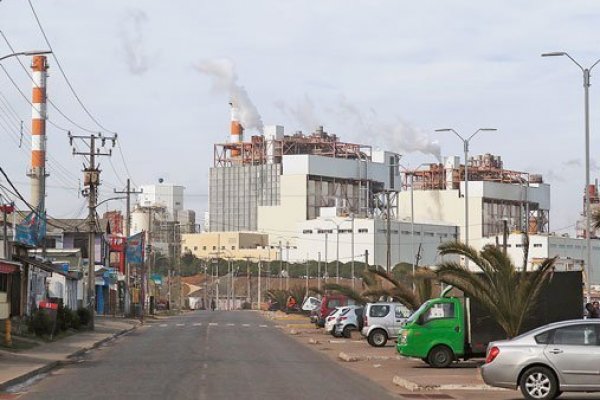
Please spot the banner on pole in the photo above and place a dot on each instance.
(32, 230)
(135, 248)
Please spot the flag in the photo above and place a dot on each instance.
(32, 230)
(135, 248)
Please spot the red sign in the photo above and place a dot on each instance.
(7, 208)
(47, 305)
(116, 243)
(6, 268)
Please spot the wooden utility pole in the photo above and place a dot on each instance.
(91, 179)
(128, 192)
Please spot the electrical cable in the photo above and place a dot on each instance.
(62, 72)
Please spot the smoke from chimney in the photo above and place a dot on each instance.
(225, 80)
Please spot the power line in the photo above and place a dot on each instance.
(62, 72)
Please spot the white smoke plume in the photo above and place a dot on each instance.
(304, 112)
(225, 80)
(131, 32)
(399, 136)
(367, 126)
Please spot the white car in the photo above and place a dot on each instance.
(331, 319)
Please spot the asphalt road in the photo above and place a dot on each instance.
(204, 355)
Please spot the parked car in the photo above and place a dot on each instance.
(330, 319)
(328, 303)
(349, 319)
(382, 321)
(547, 361)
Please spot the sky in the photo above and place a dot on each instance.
(380, 72)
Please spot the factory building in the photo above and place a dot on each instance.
(285, 185)
(499, 199)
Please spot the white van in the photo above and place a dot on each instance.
(382, 321)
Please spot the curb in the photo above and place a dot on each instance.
(413, 386)
(57, 364)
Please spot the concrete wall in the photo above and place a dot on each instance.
(281, 220)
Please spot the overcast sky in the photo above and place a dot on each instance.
(384, 71)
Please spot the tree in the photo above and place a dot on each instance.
(507, 293)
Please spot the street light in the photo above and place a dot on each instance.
(466, 149)
(26, 53)
(586, 90)
(411, 172)
(337, 245)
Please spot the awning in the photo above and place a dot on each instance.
(8, 267)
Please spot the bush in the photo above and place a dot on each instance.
(63, 317)
(246, 306)
(84, 316)
(41, 324)
(75, 321)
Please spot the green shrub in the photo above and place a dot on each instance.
(41, 324)
(75, 321)
(84, 316)
(246, 306)
(64, 317)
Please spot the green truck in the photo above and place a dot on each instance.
(447, 329)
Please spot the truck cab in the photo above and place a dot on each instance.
(435, 332)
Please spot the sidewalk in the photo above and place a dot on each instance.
(18, 367)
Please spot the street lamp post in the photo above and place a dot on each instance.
(26, 53)
(586, 94)
(411, 172)
(466, 150)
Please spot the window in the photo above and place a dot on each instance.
(379, 311)
(195, 248)
(578, 335)
(232, 247)
(204, 248)
(430, 234)
(537, 245)
(406, 232)
(307, 231)
(439, 311)
(543, 338)
(363, 230)
(214, 247)
(518, 245)
(401, 312)
(3, 282)
(186, 248)
(222, 247)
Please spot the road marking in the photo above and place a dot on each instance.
(230, 324)
(263, 326)
(213, 324)
(197, 323)
(163, 325)
(179, 324)
(245, 324)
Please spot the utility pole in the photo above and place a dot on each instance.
(91, 179)
(388, 233)
(248, 295)
(259, 272)
(128, 192)
(319, 270)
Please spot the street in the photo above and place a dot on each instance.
(204, 355)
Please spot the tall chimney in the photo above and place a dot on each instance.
(237, 130)
(39, 67)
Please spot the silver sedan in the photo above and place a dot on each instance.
(543, 363)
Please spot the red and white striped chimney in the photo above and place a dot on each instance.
(237, 130)
(39, 67)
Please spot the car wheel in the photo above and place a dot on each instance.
(347, 332)
(377, 338)
(539, 383)
(440, 357)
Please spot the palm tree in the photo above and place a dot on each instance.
(596, 218)
(399, 291)
(508, 294)
(402, 292)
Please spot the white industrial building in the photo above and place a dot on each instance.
(162, 195)
(498, 198)
(292, 186)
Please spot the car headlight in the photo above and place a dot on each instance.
(403, 336)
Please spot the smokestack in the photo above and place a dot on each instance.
(237, 130)
(39, 67)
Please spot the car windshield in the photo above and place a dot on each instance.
(416, 314)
